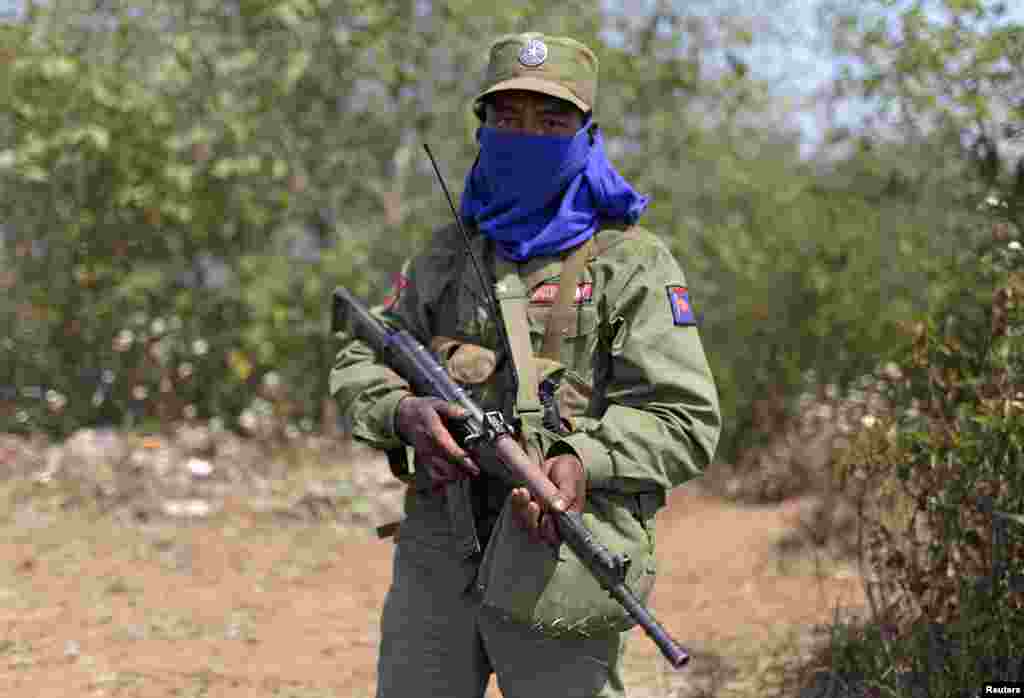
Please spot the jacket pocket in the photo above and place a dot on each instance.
(553, 591)
(579, 341)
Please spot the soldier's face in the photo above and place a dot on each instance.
(532, 112)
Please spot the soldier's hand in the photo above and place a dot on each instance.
(421, 423)
(567, 473)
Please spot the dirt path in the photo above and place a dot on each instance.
(245, 607)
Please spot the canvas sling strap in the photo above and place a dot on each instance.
(513, 298)
(562, 312)
(513, 293)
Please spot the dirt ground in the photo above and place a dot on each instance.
(245, 606)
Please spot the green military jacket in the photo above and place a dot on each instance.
(636, 392)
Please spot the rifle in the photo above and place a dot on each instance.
(488, 433)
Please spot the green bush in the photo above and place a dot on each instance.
(939, 490)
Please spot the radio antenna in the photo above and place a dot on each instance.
(487, 288)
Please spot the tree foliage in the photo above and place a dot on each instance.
(186, 181)
(942, 68)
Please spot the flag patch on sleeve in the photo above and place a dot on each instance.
(679, 301)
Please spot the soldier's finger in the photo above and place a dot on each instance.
(447, 445)
(520, 507)
(533, 518)
(549, 531)
(450, 409)
(519, 499)
(441, 470)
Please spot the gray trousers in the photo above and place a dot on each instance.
(437, 639)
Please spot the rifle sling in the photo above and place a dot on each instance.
(513, 299)
(562, 312)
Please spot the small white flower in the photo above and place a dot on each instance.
(272, 379)
(200, 347)
(199, 467)
(56, 400)
(21, 416)
(157, 326)
(869, 420)
(248, 420)
(992, 200)
(1015, 246)
(123, 340)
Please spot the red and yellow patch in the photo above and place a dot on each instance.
(545, 294)
(399, 283)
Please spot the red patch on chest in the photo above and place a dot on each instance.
(545, 294)
(399, 283)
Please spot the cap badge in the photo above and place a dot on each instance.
(534, 53)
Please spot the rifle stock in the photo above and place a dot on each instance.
(488, 430)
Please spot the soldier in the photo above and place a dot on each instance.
(594, 353)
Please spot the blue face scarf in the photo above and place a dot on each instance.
(540, 195)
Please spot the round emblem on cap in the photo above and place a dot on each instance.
(534, 53)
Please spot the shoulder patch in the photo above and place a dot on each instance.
(679, 301)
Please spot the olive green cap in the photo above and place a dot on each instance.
(552, 65)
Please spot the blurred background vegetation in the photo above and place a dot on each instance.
(185, 182)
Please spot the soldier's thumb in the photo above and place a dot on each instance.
(451, 410)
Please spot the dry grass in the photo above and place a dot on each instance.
(256, 601)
